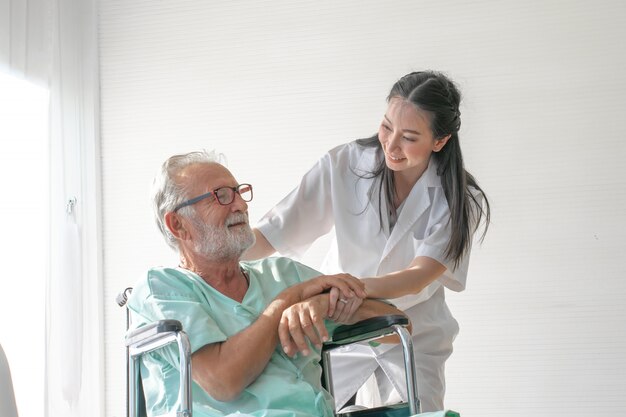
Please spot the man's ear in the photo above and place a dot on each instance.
(175, 225)
(440, 143)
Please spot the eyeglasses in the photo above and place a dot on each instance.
(223, 195)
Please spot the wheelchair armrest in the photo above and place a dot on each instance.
(367, 329)
(152, 333)
(150, 337)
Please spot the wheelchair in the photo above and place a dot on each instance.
(163, 332)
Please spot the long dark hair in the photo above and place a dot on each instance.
(434, 93)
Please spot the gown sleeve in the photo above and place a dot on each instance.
(160, 296)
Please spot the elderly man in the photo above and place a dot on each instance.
(255, 327)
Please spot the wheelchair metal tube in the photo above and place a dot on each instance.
(133, 407)
(121, 300)
(328, 377)
(411, 375)
(184, 394)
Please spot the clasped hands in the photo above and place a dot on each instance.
(335, 297)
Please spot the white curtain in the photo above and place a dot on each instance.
(25, 36)
(54, 43)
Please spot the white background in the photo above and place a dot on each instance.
(274, 84)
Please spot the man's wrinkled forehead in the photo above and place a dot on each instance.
(205, 176)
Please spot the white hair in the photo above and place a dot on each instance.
(167, 194)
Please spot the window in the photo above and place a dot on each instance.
(24, 185)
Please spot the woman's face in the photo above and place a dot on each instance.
(407, 139)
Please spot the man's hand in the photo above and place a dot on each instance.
(302, 321)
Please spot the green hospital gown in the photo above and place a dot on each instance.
(286, 387)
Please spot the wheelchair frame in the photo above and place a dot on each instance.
(146, 339)
(371, 329)
(163, 332)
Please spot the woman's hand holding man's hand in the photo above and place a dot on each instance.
(305, 320)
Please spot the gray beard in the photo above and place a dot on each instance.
(222, 243)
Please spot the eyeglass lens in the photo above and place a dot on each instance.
(226, 195)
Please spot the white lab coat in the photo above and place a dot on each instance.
(335, 194)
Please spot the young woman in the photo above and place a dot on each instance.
(404, 212)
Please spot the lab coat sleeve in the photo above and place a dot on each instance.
(434, 246)
(304, 215)
(436, 241)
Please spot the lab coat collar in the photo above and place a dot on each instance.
(418, 200)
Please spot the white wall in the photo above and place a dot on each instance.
(274, 84)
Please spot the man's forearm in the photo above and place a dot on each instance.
(224, 369)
